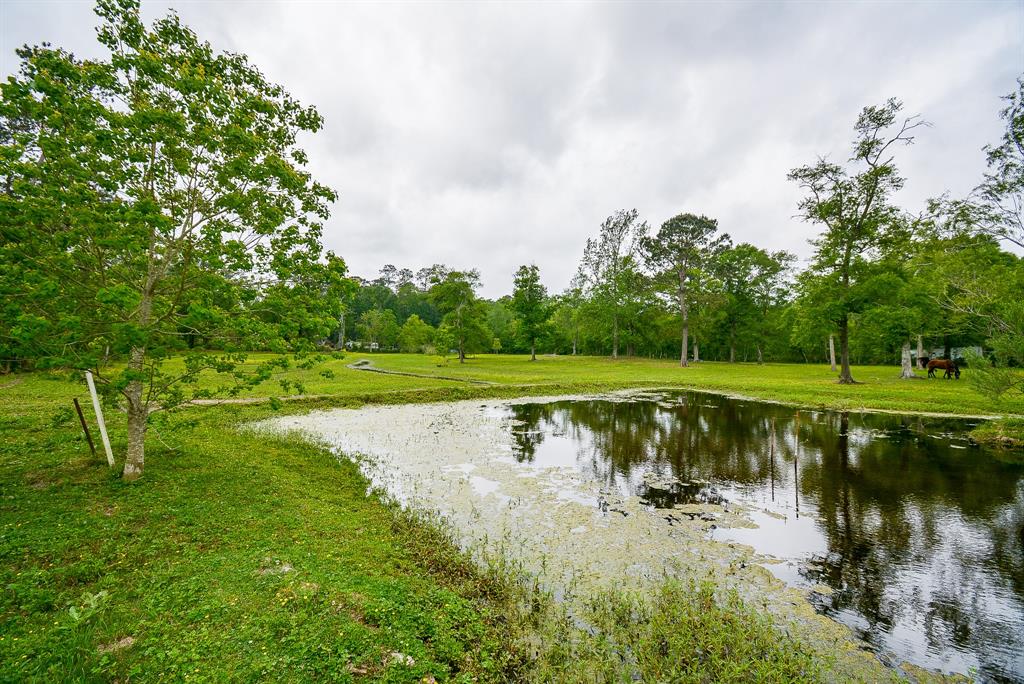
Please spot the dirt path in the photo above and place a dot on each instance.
(256, 400)
(361, 365)
(367, 365)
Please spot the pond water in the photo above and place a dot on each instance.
(892, 529)
(918, 535)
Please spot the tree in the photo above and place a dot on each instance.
(609, 266)
(1002, 191)
(453, 293)
(853, 206)
(980, 283)
(569, 311)
(706, 307)
(411, 300)
(444, 340)
(501, 321)
(812, 317)
(415, 335)
(753, 282)
(771, 291)
(155, 192)
(909, 289)
(426, 277)
(683, 244)
(529, 301)
(897, 312)
(379, 327)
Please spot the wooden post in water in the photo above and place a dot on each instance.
(796, 466)
(771, 457)
(85, 428)
(99, 417)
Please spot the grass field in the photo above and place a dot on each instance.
(809, 385)
(239, 557)
(235, 559)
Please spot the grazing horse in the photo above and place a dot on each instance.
(942, 364)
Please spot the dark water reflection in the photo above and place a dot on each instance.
(919, 535)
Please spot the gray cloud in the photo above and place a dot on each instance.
(488, 135)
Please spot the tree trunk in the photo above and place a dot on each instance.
(760, 358)
(845, 376)
(832, 351)
(947, 351)
(533, 350)
(462, 351)
(138, 410)
(920, 351)
(696, 351)
(575, 337)
(907, 367)
(685, 312)
(615, 337)
(137, 417)
(684, 344)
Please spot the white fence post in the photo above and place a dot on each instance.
(99, 417)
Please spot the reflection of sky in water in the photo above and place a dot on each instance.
(914, 539)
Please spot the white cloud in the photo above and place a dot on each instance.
(489, 135)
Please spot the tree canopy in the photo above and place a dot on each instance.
(853, 204)
(529, 301)
(684, 245)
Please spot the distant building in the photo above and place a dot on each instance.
(954, 352)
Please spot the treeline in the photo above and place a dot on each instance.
(745, 304)
(882, 285)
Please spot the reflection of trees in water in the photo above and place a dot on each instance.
(908, 505)
(691, 440)
(886, 502)
(529, 434)
(867, 537)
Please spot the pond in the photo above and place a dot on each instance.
(894, 527)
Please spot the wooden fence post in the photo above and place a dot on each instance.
(85, 428)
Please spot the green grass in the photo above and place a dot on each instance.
(810, 385)
(241, 557)
(1007, 433)
(236, 558)
(685, 632)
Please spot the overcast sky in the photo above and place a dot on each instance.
(487, 135)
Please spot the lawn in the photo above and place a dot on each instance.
(234, 559)
(880, 387)
(239, 557)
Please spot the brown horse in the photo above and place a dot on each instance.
(943, 364)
